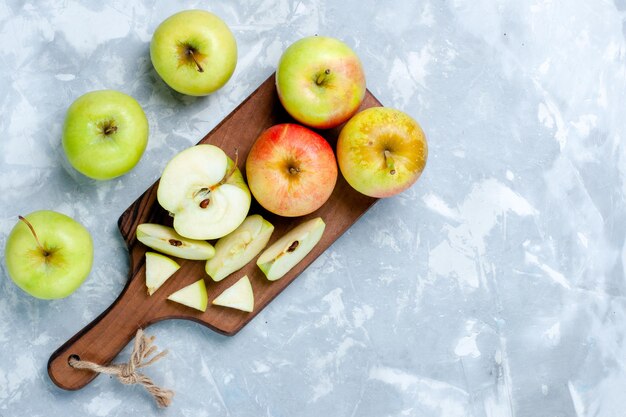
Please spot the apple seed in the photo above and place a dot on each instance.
(293, 246)
(175, 242)
(204, 203)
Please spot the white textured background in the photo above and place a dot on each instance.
(494, 287)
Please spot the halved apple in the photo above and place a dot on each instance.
(205, 192)
(290, 249)
(235, 250)
(193, 295)
(165, 240)
(239, 296)
(158, 269)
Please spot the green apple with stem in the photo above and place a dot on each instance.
(105, 134)
(238, 296)
(381, 151)
(320, 81)
(48, 254)
(194, 52)
(204, 191)
(193, 295)
(289, 250)
(159, 268)
(165, 240)
(235, 250)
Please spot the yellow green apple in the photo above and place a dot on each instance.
(381, 151)
(48, 254)
(194, 52)
(320, 81)
(104, 134)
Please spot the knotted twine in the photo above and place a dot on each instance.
(127, 373)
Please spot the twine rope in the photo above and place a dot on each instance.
(127, 373)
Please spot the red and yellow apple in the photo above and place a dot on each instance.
(320, 81)
(291, 170)
(381, 151)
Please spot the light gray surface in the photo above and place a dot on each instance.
(494, 287)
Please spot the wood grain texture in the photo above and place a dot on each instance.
(101, 340)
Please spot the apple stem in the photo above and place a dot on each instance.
(198, 66)
(389, 162)
(110, 129)
(32, 230)
(232, 170)
(321, 77)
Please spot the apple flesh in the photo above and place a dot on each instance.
(320, 81)
(238, 296)
(193, 295)
(291, 170)
(290, 249)
(194, 52)
(158, 270)
(105, 133)
(165, 240)
(205, 192)
(48, 254)
(381, 151)
(235, 250)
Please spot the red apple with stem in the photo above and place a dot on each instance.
(291, 170)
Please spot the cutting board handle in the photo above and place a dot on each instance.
(102, 340)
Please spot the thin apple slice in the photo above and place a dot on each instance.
(290, 249)
(165, 240)
(235, 250)
(158, 269)
(239, 296)
(193, 295)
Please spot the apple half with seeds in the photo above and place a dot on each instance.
(158, 269)
(235, 250)
(193, 295)
(205, 192)
(290, 249)
(239, 296)
(165, 240)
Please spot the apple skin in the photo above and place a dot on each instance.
(69, 259)
(381, 151)
(309, 95)
(291, 170)
(194, 52)
(105, 134)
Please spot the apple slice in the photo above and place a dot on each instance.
(290, 249)
(193, 295)
(158, 269)
(165, 240)
(235, 250)
(238, 296)
(205, 192)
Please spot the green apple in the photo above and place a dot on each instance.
(158, 269)
(290, 249)
(239, 296)
(381, 151)
(194, 52)
(48, 254)
(235, 250)
(204, 191)
(292, 171)
(193, 295)
(165, 240)
(105, 133)
(320, 81)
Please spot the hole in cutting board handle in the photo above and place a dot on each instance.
(72, 357)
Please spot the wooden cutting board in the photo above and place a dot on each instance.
(102, 339)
